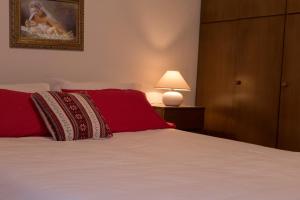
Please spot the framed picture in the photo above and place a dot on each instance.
(47, 24)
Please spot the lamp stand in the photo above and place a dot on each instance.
(172, 98)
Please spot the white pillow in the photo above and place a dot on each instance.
(26, 87)
(58, 85)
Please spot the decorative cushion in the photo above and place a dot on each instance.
(70, 116)
(19, 117)
(126, 110)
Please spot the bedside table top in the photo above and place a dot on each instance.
(180, 107)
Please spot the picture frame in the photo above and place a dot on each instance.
(47, 24)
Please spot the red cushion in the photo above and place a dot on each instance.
(19, 117)
(126, 110)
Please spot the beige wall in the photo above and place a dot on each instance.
(125, 41)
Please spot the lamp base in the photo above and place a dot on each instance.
(172, 98)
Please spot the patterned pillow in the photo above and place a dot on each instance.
(70, 116)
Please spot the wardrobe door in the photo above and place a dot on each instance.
(220, 10)
(217, 53)
(293, 6)
(255, 8)
(289, 126)
(258, 73)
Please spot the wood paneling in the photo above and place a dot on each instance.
(215, 87)
(258, 70)
(293, 6)
(220, 10)
(289, 127)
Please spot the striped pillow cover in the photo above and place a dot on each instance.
(70, 116)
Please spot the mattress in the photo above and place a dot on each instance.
(160, 164)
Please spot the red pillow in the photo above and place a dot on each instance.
(125, 110)
(19, 117)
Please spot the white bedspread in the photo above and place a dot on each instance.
(159, 165)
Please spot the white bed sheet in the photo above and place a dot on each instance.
(161, 165)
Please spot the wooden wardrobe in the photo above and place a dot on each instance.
(248, 70)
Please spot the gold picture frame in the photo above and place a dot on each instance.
(47, 24)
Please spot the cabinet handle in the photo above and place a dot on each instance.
(238, 82)
(284, 84)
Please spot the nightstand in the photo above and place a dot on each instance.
(185, 118)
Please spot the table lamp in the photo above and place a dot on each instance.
(174, 82)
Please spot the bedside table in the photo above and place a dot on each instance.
(185, 118)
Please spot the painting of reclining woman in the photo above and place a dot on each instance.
(48, 19)
(52, 20)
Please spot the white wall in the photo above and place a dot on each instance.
(125, 41)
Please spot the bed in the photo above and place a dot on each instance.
(154, 164)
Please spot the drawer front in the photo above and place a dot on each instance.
(186, 119)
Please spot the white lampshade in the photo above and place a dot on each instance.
(172, 80)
